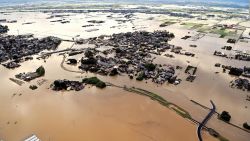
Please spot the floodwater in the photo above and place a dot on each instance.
(91, 114)
(113, 114)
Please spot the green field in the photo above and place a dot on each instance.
(168, 22)
(223, 32)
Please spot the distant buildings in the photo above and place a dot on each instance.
(17, 47)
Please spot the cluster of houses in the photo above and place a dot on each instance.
(231, 41)
(123, 11)
(241, 83)
(7, 21)
(131, 53)
(241, 71)
(237, 56)
(245, 71)
(18, 48)
(242, 74)
(31, 75)
(179, 50)
(227, 47)
(219, 53)
(242, 56)
(67, 85)
(226, 26)
(96, 21)
(11, 65)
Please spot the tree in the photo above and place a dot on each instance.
(140, 77)
(33, 87)
(40, 71)
(101, 85)
(246, 126)
(94, 81)
(225, 116)
(91, 80)
(171, 35)
(150, 66)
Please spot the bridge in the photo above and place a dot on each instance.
(203, 123)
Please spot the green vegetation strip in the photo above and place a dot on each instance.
(94, 81)
(161, 100)
(221, 138)
(167, 104)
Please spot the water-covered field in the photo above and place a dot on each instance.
(112, 113)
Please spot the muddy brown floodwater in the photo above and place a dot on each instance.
(92, 115)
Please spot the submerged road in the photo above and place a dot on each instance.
(203, 123)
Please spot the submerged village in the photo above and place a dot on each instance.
(132, 56)
(130, 53)
(180, 65)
